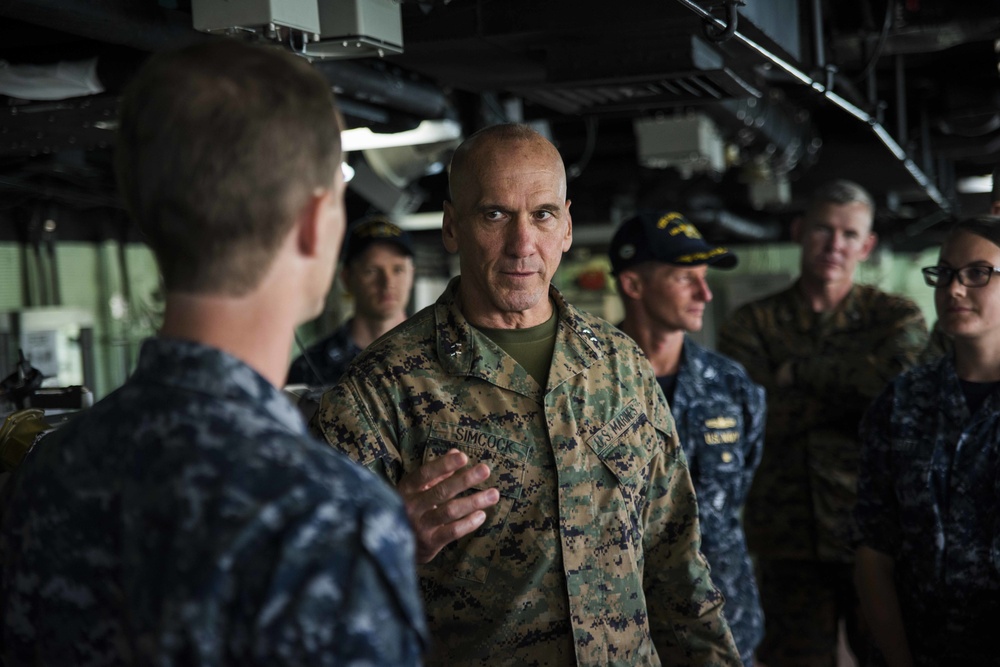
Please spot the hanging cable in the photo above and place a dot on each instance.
(575, 169)
(731, 21)
(880, 44)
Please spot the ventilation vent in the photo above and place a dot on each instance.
(702, 87)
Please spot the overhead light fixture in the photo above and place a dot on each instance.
(416, 222)
(428, 132)
(975, 184)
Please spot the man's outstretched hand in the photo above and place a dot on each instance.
(437, 516)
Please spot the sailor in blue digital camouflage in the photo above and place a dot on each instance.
(660, 261)
(555, 517)
(378, 274)
(189, 518)
(323, 362)
(823, 349)
(929, 489)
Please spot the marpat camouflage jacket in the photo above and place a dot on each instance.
(802, 497)
(591, 555)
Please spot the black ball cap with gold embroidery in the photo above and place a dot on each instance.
(376, 229)
(664, 237)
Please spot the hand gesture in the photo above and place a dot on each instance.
(437, 516)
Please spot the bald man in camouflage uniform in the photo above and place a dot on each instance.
(189, 518)
(823, 349)
(555, 515)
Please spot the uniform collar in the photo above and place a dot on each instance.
(205, 370)
(845, 315)
(463, 350)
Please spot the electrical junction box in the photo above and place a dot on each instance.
(358, 29)
(220, 15)
(691, 143)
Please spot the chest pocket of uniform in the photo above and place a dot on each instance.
(625, 445)
(507, 459)
(717, 460)
(913, 474)
(720, 444)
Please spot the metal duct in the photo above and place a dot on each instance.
(735, 225)
(384, 88)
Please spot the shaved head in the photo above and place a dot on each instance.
(474, 153)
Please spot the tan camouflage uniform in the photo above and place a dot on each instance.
(800, 504)
(591, 555)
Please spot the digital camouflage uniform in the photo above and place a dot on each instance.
(189, 519)
(798, 513)
(720, 414)
(330, 356)
(929, 497)
(591, 555)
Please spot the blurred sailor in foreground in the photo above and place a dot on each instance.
(188, 518)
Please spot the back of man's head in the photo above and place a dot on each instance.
(839, 193)
(219, 145)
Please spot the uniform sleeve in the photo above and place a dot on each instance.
(863, 373)
(754, 419)
(877, 511)
(350, 419)
(685, 608)
(360, 607)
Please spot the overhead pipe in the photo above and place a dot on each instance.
(367, 84)
(818, 38)
(717, 218)
(890, 143)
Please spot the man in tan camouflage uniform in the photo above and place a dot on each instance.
(823, 349)
(537, 457)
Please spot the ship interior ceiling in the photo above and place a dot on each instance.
(730, 111)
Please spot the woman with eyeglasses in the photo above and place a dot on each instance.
(928, 568)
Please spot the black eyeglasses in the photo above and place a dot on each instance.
(974, 275)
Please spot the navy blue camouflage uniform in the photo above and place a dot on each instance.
(189, 519)
(720, 414)
(329, 356)
(929, 497)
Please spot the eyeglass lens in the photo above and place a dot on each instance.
(970, 276)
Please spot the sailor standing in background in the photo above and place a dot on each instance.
(660, 262)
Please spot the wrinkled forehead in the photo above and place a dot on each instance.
(526, 163)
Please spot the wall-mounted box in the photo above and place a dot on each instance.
(219, 15)
(358, 29)
(690, 143)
